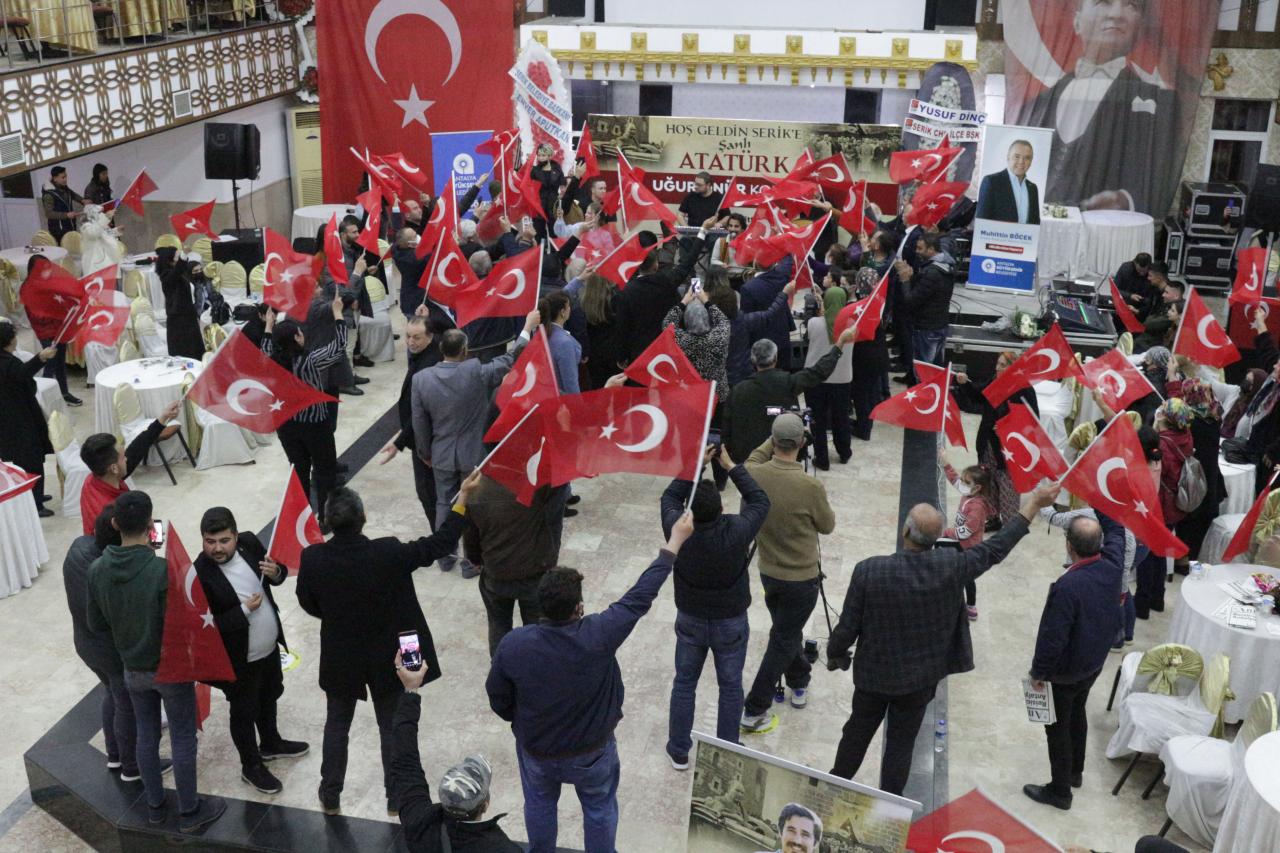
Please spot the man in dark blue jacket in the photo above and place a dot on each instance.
(1077, 629)
(759, 293)
(559, 685)
(713, 592)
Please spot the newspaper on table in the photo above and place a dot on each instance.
(1243, 616)
(1244, 591)
(1039, 701)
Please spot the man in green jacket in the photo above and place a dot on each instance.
(127, 589)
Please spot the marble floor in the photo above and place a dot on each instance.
(611, 541)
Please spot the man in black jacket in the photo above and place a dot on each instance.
(927, 299)
(713, 592)
(906, 613)
(458, 819)
(361, 590)
(641, 306)
(1077, 628)
(423, 346)
(232, 568)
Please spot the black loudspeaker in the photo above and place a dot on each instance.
(1263, 210)
(231, 151)
(246, 247)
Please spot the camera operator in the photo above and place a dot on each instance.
(748, 420)
(789, 563)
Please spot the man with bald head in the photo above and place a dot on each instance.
(906, 613)
(1077, 629)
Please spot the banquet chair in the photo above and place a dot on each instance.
(1223, 529)
(258, 278)
(43, 238)
(71, 242)
(10, 281)
(128, 350)
(1125, 343)
(98, 357)
(1137, 669)
(149, 340)
(216, 441)
(214, 337)
(376, 342)
(72, 472)
(1199, 771)
(1081, 437)
(168, 241)
(1148, 720)
(132, 423)
(134, 283)
(213, 272)
(231, 278)
(203, 247)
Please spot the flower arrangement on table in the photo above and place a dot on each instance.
(1055, 211)
(1025, 325)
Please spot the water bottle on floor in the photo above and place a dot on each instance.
(940, 735)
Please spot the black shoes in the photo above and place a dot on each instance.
(574, 499)
(905, 380)
(1077, 780)
(72, 400)
(44, 512)
(209, 810)
(1042, 794)
(351, 391)
(330, 804)
(284, 749)
(362, 361)
(361, 380)
(570, 512)
(261, 778)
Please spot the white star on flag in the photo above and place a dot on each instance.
(1008, 455)
(286, 276)
(608, 431)
(207, 619)
(917, 163)
(1141, 509)
(277, 405)
(415, 109)
(911, 395)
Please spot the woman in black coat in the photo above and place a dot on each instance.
(1206, 428)
(24, 435)
(182, 321)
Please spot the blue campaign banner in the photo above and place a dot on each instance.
(454, 155)
(1007, 273)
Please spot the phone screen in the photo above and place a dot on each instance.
(410, 653)
(157, 534)
(697, 285)
(713, 437)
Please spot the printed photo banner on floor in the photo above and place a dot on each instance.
(1006, 228)
(454, 155)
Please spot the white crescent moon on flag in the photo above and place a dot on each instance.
(1117, 380)
(936, 161)
(625, 268)
(300, 526)
(937, 401)
(433, 10)
(188, 580)
(405, 167)
(1104, 471)
(656, 434)
(1202, 327)
(235, 389)
(635, 193)
(519, 276)
(437, 214)
(1032, 450)
(94, 287)
(266, 265)
(531, 467)
(1052, 357)
(768, 229)
(444, 265)
(530, 377)
(662, 358)
(997, 846)
(836, 174)
(101, 312)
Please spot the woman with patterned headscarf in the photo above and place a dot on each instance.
(1249, 387)
(1205, 428)
(830, 401)
(1173, 424)
(870, 358)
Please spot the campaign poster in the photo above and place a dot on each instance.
(1006, 227)
(454, 155)
(944, 108)
(1118, 82)
(746, 801)
(672, 149)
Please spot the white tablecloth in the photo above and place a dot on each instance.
(158, 382)
(1252, 820)
(47, 392)
(1112, 237)
(307, 220)
(20, 256)
(1058, 252)
(1240, 480)
(1255, 655)
(22, 547)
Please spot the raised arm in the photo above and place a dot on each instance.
(614, 625)
(976, 560)
(409, 789)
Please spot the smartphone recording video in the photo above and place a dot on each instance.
(157, 535)
(410, 653)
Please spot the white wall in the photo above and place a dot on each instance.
(761, 103)
(894, 103)
(798, 14)
(175, 158)
(626, 99)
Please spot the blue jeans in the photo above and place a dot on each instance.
(727, 640)
(929, 345)
(180, 706)
(119, 728)
(594, 775)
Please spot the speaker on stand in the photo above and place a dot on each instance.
(232, 153)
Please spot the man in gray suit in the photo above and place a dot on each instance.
(450, 405)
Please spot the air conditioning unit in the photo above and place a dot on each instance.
(304, 156)
(182, 107)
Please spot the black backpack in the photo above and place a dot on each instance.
(219, 310)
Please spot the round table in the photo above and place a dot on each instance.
(22, 546)
(1058, 252)
(1112, 237)
(158, 382)
(307, 220)
(1240, 480)
(1251, 823)
(20, 256)
(1255, 655)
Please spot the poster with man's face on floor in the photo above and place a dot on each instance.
(1118, 82)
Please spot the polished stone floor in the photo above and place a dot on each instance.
(611, 541)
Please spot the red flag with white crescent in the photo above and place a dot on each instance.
(1047, 359)
(1251, 275)
(1240, 321)
(191, 647)
(953, 427)
(193, 221)
(518, 461)
(371, 201)
(975, 823)
(335, 259)
(449, 272)
(14, 481)
(1201, 338)
(1117, 380)
(1029, 454)
(296, 525)
(663, 363)
(105, 318)
(444, 217)
(531, 380)
(853, 215)
(289, 280)
(619, 265)
(587, 154)
(1244, 533)
(141, 187)
(52, 297)
(381, 177)
(934, 201)
(922, 406)
(509, 290)
(405, 170)
(1127, 318)
(639, 204)
(865, 314)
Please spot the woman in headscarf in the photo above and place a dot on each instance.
(1205, 428)
(830, 401)
(99, 189)
(1155, 367)
(702, 331)
(181, 320)
(1173, 425)
(870, 358)
(1249, 386)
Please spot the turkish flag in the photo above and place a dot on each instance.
(98, 300)
(444, 217)
(193, 221)
(1123, 311)
(1244, 533)
(381, 176)
(243, 386)
(530, 190)
(1132, 498)
(52, 296)
(934, 201)
(865, 314)
(735, 197)
(141, 186)
(1201, 338)
(497, 142)
(833, 175)
(638, 202)
(406, 171)
(853, 215)
(518, 461)
(1046, 359)
(1251, 274)
(14, 481)
(587, 154)
(1029, 454)
(660, 431)
(975, 823)
(335, 258)
(595, 244)
(371, 201)
(1117, 380)
(509, 290)
(191, 646)
(619, 264)
(952, 425)
(663, 363)
(531, 380)
(922, 407)
(1240, 319)
(103, 319)
(296, 526)
(753, 245)
(924, 165)
(449, 272)
(290, 282)
(403, 71)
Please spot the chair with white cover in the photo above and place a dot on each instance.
(1224, 527)
(214, 337)
(42, 238)
(376, 342)
(258, 279)
(1148, 720)
(134, 284)
(1199, 771)
(71, 242)
(232, 278)
(149, 339)
(132, 423)
(128, 350)
(72, 472)
(98, 357)
(1125, 343)
(216, 441)
(203, 247)
(169, 241)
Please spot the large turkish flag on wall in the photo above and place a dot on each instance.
(393, 72)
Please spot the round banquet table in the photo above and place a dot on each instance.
(1112, 237)
(1251, 823)
(158, 382)
(307, 220)
(1240, 481)
(1255, 655)
(20, 256)
(1058, 252)
(22, 546)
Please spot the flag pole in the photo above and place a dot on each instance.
(1096, 438)
(275, 526)
(706, 431)
(1182, 318)
(501, 442)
